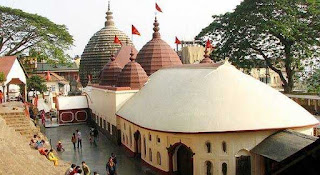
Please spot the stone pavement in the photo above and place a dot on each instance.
(95, 156)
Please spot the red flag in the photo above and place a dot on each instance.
(48, 76)
(135, 31)
(208, 44)
(177, 41)
(116, 40)
(158, 8)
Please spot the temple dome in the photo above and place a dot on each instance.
(157, 53)
(99, 49)
(132, 75)
(209, 99)
(109, 73)
(206, 59)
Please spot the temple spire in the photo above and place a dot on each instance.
(131, 55)
(109, 17)
(156, 28)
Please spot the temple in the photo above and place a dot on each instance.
(206, 118)
(99, 49)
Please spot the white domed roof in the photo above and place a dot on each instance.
(219, 99)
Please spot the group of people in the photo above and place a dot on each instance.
(77, 139)
(77, 170)
(37, 143)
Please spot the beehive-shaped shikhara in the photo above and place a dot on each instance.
(109, 73)
(132, 75)
(99, 49)
(157, 53)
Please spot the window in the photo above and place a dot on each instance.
(123, 138)
(126, 139)
(224, 146)
(130, 136)
(224, 168)
(101, 122)
(109, 127)
(145, 146)
(158, 139)
(158, 158)
(208, 168)
(243, 165)
(150, 137)
(104, 124)
(124, 126)
(150, 154)
(208, 145)
(264, 80)
(53, 88)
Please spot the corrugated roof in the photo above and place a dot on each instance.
(57, 67)
(283, 144)
(54, 77)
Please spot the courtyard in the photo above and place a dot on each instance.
(95, 156)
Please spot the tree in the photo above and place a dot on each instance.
(281, 33)
(22, 32)
(36, 83)
(2, 77)
(312, 81)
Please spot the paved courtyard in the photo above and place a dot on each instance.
(95, 156)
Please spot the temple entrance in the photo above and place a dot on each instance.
(137, 144)
(180, 159)
(184, 161)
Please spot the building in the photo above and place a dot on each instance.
(207, 120)
(57, 85)
(15, 76)
(121, 78)
(68, 71)
(99, 49)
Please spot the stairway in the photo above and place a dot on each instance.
(16, 156)
(20, 123)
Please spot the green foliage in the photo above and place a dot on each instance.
(2, 77)
(312, 81)
(36, 83)
(282, 33)
(23, 32)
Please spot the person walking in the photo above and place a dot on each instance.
(85, 168)
(96, 135)
(74, 140)
(1, 96)
(111, 167)
(79, 138)
(91, 136)
(114, 158)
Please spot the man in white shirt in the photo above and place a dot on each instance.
(79, 138)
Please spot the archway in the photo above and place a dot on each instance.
(180, 159)
(137, 143)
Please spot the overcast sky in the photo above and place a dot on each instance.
(181, 18)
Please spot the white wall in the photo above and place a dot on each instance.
(105, 103)
(16, 72)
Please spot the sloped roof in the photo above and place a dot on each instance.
(57, 67)
(209, 99)
(54, 77)
(6, 64)
(283, 144)
(122, 57)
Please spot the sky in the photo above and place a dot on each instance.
(181, 18)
